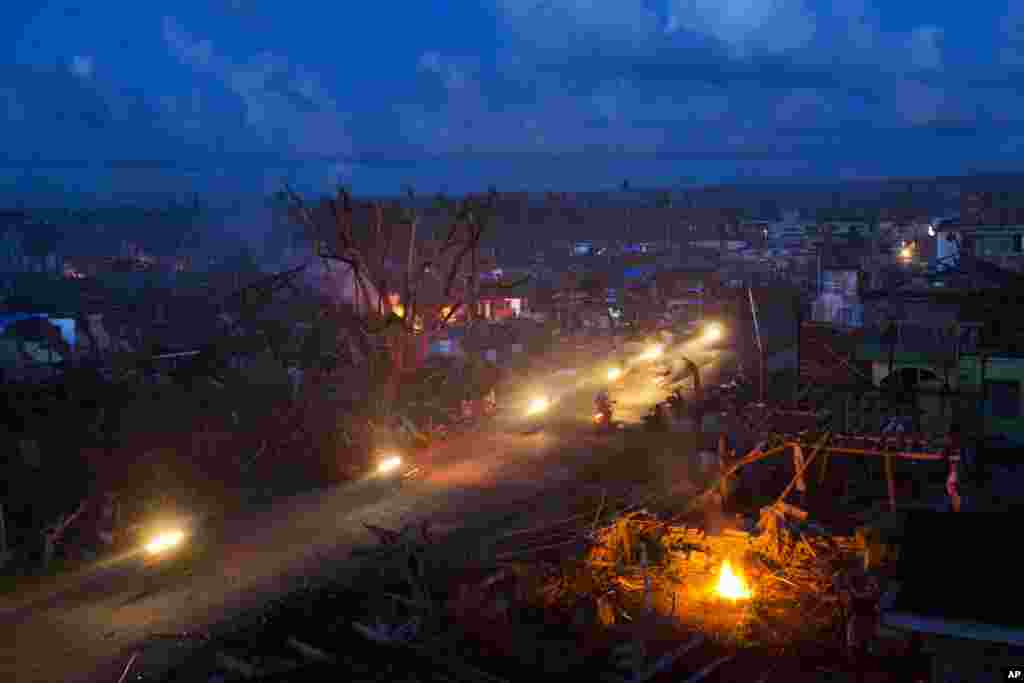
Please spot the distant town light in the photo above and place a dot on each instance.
(931, 231)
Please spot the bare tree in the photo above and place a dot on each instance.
(435, 282)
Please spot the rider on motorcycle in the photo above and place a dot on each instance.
(603, 401)
(490, 402)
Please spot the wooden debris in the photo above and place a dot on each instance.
(666, 661)
(236, 665)
(311, 653)
(709, 669)
(128, 667)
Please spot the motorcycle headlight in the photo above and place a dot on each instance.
(537, 405)
(389, 464)
(164, 541)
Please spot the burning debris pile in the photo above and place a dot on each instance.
(648, 597)
(771, 588)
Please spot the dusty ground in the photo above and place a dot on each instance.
(479, 482)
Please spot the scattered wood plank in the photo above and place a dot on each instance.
(311, 653)
(709, 669)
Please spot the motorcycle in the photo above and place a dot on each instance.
(162, 536)
(390, 467)
(536, 408)
(603, 416)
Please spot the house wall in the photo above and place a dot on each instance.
(877, 312)
(997, 369)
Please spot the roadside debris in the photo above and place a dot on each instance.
(643, 598)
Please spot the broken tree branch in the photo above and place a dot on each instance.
(128, 668)
(709, 669)
(807, 463)
(666, 661)
(311, 653)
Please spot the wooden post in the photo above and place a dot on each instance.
(799, 334)
(890, 481)
(824, 468)
(798, 464)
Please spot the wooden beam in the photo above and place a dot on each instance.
(896, 454)
(800, 473)
(890, 480)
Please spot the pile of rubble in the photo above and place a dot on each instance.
(644, 600)
(787, 566)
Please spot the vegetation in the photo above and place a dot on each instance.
(290, 373)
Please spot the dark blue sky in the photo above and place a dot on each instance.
(232, 95)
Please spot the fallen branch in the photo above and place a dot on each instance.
(128, 668)
(537, 549)
(779, 578)
(311, 653)
(709, 669)
(666, 661)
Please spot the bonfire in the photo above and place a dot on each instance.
(731, 585)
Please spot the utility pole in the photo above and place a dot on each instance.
(799, 337)
(763, 365)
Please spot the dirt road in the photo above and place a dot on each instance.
(87, 633)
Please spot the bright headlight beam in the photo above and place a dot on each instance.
(165, 541)
(389, 464)
(537, 405)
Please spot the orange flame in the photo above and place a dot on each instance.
(731, 585)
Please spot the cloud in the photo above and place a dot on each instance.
(338, 174)
(558, 24)
(13, 109)
(82, 66)
(552, 121)
(1011, 52)
(925, 48)
(453, 76)
(802, 106)
(919, 104)
(745, 26)
(286, 106)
